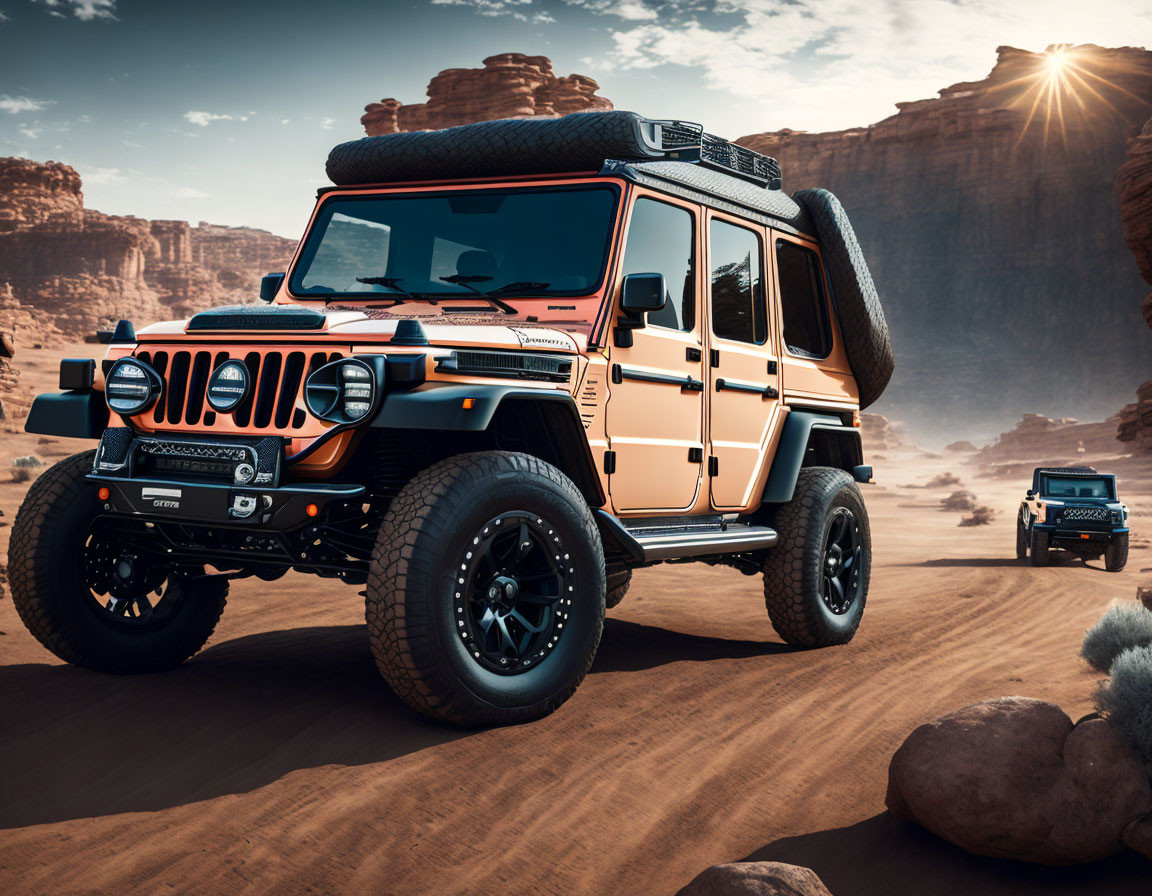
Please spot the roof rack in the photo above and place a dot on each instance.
(1071, 471)
(685, 141)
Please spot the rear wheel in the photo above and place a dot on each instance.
(1116, 556)
(816, 577)
(1038, 547)
(90, 595)
(485, 599)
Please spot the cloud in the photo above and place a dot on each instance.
(14, 105)
(101, 176)
(188, 193)
(822, 64)
(4, 17)
(85, 10)
(629, 10)
(30, 133)
(327, 123)
(203, 119)
(515, 8)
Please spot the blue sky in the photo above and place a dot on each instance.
(225, 111)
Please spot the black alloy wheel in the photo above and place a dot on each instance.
(841, 561)
(125, 587)
(516, 586)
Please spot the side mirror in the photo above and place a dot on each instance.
(1030, 495)
(643, 292)
(270, 285)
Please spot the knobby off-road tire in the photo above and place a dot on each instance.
(48, 580)
(867, 341)
(1038, 547)
(1021, 541)
(438, 562)
(617, 587)
(795, 569)
(1116, 555)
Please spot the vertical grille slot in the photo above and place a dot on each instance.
(178, 385)
(266, 389)
(243, 413)
(289, 388)
(197, 383)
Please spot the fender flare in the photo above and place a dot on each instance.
(78, 414)
(794, 440)
(441, 408)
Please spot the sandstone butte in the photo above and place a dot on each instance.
(85, 268)
(1134, 191)
(510, 85)
(995, 240)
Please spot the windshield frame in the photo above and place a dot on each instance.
(1108, 481)
(314, 235)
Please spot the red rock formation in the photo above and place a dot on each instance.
(994, 240)
(1038, 439)
(510, 85)
(1134, 190)
(84, 268)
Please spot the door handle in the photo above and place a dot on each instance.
(620, 373)
(730, 386)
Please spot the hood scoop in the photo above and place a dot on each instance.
(257, 317)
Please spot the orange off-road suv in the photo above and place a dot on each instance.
(509, 363)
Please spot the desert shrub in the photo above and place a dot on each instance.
(21, 474)
(1126, 698)
(1122, 627)
(961, 500)
(943, 481)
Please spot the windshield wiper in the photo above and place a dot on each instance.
(467, 281)
(392, 283)
(517, 287)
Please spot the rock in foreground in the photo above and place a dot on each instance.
(756, 879)
(1014, 778)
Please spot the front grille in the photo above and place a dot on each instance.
(1086, 514)
(274, 402)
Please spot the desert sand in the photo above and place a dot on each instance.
(277, 760)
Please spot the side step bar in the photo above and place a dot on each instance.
(657, 540)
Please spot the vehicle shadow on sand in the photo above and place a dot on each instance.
(236, 717)
(885, 857)
(1055, 559)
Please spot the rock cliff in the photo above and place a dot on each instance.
(994, 235)
(510, 85)
(65, 266)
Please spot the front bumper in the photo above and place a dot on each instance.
(1082, 536)
(282, 508)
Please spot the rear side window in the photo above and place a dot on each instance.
(802, 300)
(660, 241)
(737, 291)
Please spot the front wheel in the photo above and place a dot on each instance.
(816, 577)
(91, 594)
(485, 599)
(1116, 556)
(1039, 547)
(1021, 541)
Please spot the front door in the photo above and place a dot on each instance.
(654, 416)
(744, 376)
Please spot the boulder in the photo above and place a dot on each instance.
(1014, 778)
(756, 879)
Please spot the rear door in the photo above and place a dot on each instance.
(654, 417)
(743, 393)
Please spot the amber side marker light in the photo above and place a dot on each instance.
(104, 494)
(469, 403)
(311, 510)
(856, 421)
(1084, 537)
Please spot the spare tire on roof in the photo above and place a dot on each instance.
(510, 146)
(866, 339)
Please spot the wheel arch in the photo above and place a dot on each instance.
(542, 422)
(812, 439)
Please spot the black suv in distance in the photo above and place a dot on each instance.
(1076, 509)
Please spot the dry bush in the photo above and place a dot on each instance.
(1126, 698)
(980, 516)
(961, 500)
(1124, 626)
(943, 481)
(21, 474)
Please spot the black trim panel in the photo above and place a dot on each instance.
(77, 415)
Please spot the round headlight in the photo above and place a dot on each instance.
(342, 392)
(131, 387)
(228, 386)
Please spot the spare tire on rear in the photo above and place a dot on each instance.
(866, 339)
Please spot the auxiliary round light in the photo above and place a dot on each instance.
(131, 387)
(228, 387)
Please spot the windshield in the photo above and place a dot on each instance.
(538, 241)
(1076, 487)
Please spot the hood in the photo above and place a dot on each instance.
(354, 325)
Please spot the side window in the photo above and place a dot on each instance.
(802, 300)
(737, 293)
(660, 242)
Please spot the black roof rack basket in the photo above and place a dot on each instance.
(578, 142)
